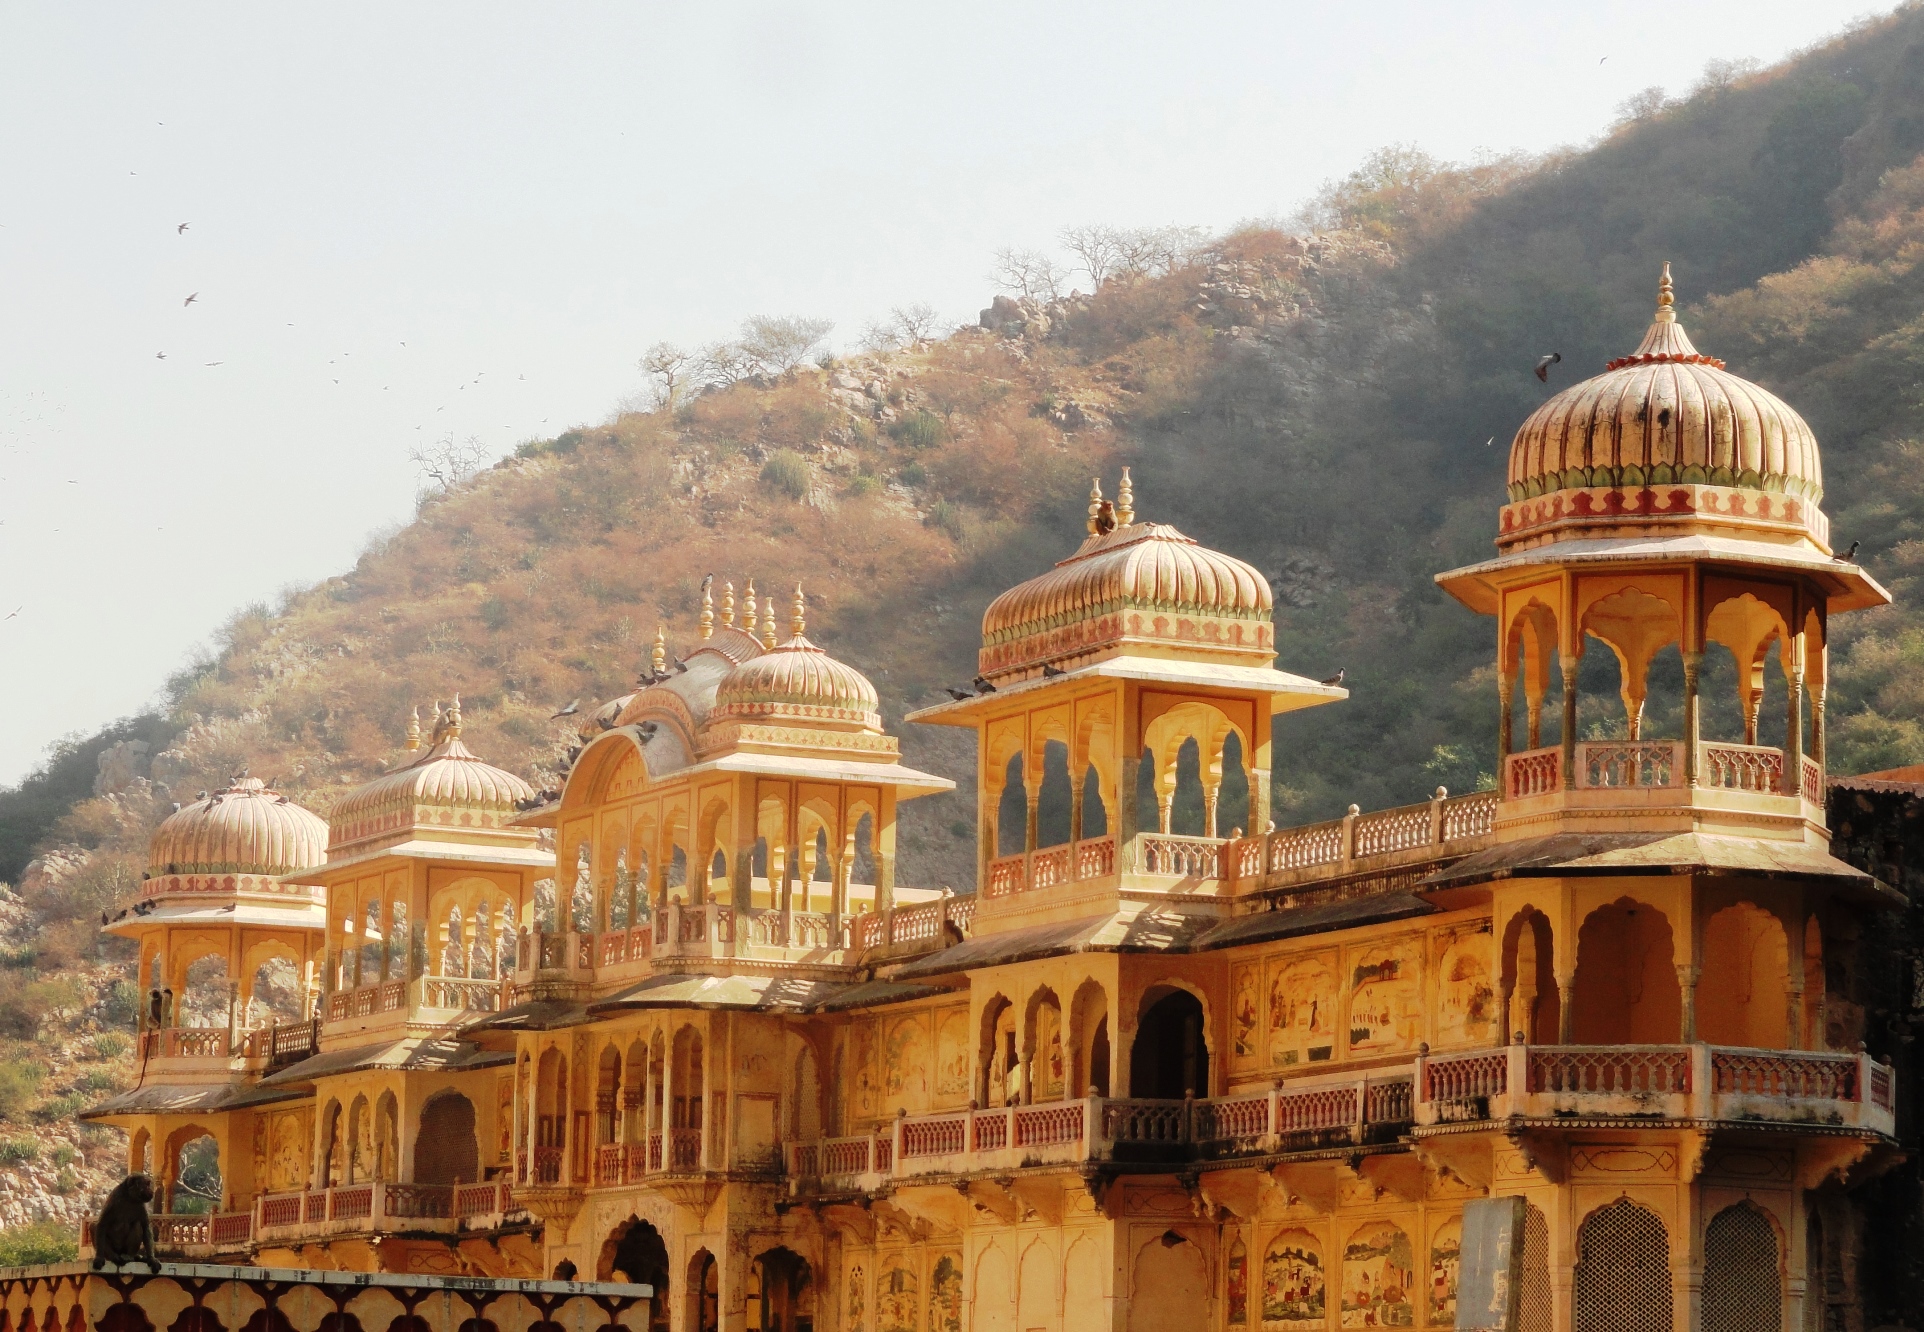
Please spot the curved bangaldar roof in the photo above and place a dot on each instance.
(1665, 437)
(447, 787)
(244, 829)
(1130, 584)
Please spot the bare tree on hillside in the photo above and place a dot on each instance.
(720, 364)
(777, 345)
(1096, 246)
(1028, 273)
(446, 463)
(906, 325)
(671, 368)
(1722, 75)
(1642, 105)
(1157, 251)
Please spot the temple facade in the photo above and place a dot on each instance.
(1168, 1066)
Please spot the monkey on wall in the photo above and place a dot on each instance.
(124, 1231)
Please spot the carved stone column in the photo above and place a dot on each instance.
(1569, 738)
(1687, 976)
(1692, 664)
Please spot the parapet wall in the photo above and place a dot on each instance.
(199, 1297)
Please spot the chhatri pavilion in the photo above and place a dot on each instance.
(1168, 1066)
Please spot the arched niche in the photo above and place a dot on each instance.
(1626, 990)
(1746, 960)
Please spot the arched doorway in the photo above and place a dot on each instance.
(446, 1151)
(637, 1254)
(1626, 984)
(1169, 1058)
(704, 1293)
(781, 1295)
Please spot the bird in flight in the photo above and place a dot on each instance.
(1544, 363)
(216, 363)
(568, 711)
(181, 229)
(1491, 440)
(190, 300)
(16, 610)
(160, 356)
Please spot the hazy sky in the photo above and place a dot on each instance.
(414, 221)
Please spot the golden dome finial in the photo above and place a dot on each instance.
(708, 607)
(414, 728)
(1095, 503)
(454, 718)
(768, 621)
(750, 608)
(1125, 500)
(798, 613)
(658, 658)
(1666, 297)
(728, 603)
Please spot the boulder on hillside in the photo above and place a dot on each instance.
(120, 764)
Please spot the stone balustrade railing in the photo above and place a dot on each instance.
(375, 1206)
(1701, 1082)
(440, 996)
(1102, 1128)
(1066, 862)
(1659, 765)
(1442, 826)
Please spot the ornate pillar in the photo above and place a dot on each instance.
(1794, 721)
(1687, 977)
(1505, 724)
(1569, 737)
(1210, 794)
(1165, 807)
(1692, 664)
(1566, 1007)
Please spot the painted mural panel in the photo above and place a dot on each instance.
(1466, 989)
(1236, 1286)
(1302, 1009)
(1386, 995)
(952, 1054)
(1446, 1260)
(862, 1070)
(1245, 1016)
(945, 1294)
(287, 1139)
(1293, 1283)
(857, 1300)
(1379, 1274)
(905, 1077)
(1048, 1053)
(898, 1306)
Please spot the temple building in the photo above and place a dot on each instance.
(1168, 1066)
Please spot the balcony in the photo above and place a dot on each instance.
(433, 1000)
(263, 1048)
(374, 1207)
(1103, 1129)
(1657, 765)
(1656, 1082)
(1072, 862)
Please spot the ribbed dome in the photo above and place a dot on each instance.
(1619, 446)
(242, 829)
(798, 681)
(1142, 581)
(447, 786)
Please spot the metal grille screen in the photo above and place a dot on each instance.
(1623, 1271)
(1742, 1292)
(1533, 1312)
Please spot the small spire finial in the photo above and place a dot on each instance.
(1125, 500)
(707, 607)
(1095, 503)
(414, 728)
(454, 718)
(1666, 296)
(768, 620)
(658, 658)
(728, 603)
(798, 613)
(750, 608)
